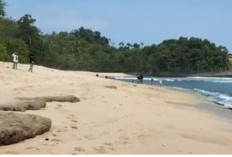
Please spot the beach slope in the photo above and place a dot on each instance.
(111, 117)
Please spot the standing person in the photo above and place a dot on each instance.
(152, 81)
(32, 62)
(15, 60)
(141, 78)
(160, 82)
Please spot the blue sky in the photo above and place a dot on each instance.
(148, 21)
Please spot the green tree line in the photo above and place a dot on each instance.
(85, 49)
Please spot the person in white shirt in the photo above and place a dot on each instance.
(15, 60)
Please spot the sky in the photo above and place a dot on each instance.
(133, 21)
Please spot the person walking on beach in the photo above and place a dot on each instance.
(160, 82)
(140, 78)
(152, 81)
(15, 60)
(32, 62)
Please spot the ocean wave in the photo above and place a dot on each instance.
(125, 78)
(219, 98)
(205, 79)
(150, 78)
(169, 80)
(211, 79)
(179, 88)
(135, 78)
(207, 93)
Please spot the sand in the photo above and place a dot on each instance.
(113, 117)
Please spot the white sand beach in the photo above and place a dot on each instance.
(112, 117)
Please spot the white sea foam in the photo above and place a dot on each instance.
(222, 99)
(169, 80)
(219, 98)
(125, 78)
(150, 78)
(207, 93)
(207, 79)
(211, 79)
(179, 88)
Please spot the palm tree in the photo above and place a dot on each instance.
(121, 44)
(129, 45)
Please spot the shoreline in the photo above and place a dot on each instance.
(114, 117)
(208, 105)
(196, 85)
(227, 74)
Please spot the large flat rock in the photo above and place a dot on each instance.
(15, 127)
(36, 103)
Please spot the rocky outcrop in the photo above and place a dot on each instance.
(36, 103)
(15, 127)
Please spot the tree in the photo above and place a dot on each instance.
(129, 45)
(121, 44)
(3, 53)
(85, 49)
(8, 29)
(136, 46)
(2, 8)
(141, 44)
(20, 46)
(28, 31)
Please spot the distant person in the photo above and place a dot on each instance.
(152, 81)
(15, 60)
(140, 78)
(32, 62)
(160, 82)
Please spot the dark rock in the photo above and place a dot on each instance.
(15, 127)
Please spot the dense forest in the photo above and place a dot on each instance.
(85, 49)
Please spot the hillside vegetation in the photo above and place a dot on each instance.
(85, 49)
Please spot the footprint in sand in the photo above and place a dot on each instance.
(89, 137)
(123, 140)
(74, 121)
(71, 116)
(100, 149)
(108, 144)
(11, 152)
(29, 148)
(104, 149)
(55, 140)
(74, 127)
(79, 149)
(58, 106)
(143, 137)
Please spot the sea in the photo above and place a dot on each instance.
(216, 89)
